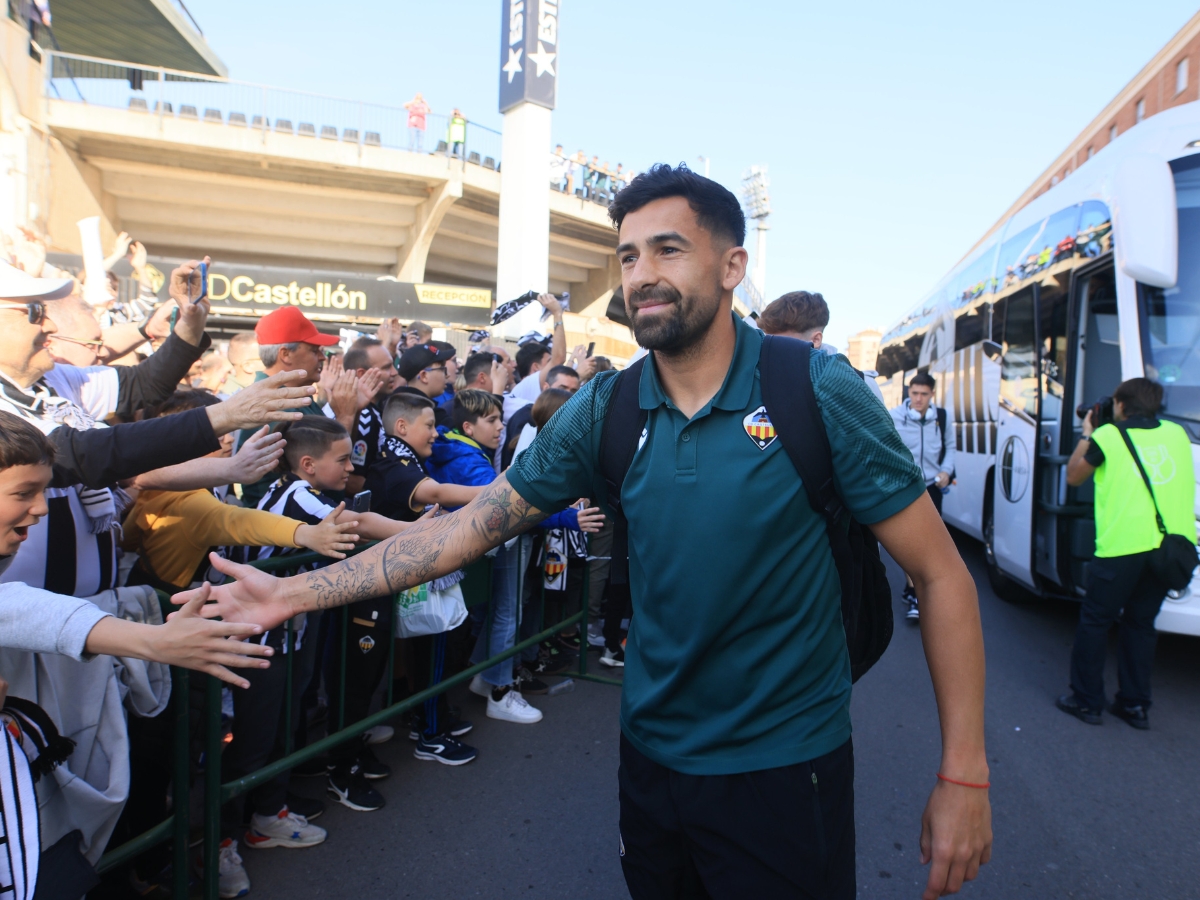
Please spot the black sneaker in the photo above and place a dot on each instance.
(1134, 715)
(372, 768)
(304, 806)
(453, 726)
(348, 787)
(569, 642)
(445, 750)
(554, 664)
(913, 614)
(527, 684)
(317, 767)
(1069, 703)
(613, 658)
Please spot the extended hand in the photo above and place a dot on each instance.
(591, 520)
(956, 835)
(369, 383)
(192, 316)
(499, 377)
(329, 375)
(257, 456)
(193, 642)
(551, 303)
(1088, 426)
(254, 598)
(329, 537)
(262, 403)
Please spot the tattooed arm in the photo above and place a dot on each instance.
(422, 552)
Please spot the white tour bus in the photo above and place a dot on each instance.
(1094, 282)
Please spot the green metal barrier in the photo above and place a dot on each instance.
(476, 591)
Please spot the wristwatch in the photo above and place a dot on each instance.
(558, 323)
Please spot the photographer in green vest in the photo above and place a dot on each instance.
(1121, 585)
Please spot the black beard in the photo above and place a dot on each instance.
(682, 327)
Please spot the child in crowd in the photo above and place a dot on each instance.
(401, 488)
(172, 531)
(318, 462)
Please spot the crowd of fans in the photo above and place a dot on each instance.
(132, 446)
(592, 180)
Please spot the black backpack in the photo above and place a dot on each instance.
(787, 393)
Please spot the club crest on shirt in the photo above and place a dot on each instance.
(759, 428)
(554, 564)
(366, 643)
(358, 454)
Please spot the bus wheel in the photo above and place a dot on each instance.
(1002, 586)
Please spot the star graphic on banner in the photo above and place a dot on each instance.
(543, 60)
(513, 66)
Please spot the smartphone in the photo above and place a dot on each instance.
(361, 502)
(591, 349)
(498, 358)
(197, 287)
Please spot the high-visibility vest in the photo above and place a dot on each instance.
(458, 130)
(1124, 511)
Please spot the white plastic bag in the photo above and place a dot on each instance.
(421, 610)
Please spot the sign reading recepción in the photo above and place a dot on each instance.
(236, 289)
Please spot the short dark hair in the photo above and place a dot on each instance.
(310, 436)
(798, 311)
(547, 404)
(560, 370)
(476, 363)
(22, 443)
(472, 404)
(530, 353)
(403, 405)
(924, 379)
(717, 209)
(182, 401)
(1140, 396)
(356, 357)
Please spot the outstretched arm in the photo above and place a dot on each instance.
(426, 550)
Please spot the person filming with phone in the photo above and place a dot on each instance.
(1145, 544)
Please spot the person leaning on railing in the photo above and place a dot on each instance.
(1131, 525)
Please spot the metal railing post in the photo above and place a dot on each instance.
(182, 777)
(342, 639)
(289, 727)
(162, 96)
(212, 784)
(264, 115)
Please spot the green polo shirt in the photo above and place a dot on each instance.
(253, 493)
(736, 659)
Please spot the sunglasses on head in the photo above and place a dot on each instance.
(36, 310)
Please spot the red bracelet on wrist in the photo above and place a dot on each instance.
(982, 787)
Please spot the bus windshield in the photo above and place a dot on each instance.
(1171, 317)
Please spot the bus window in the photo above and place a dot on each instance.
(1018, 256)
(970, 327)
(1095, 230)
(1100, 341)
(1052, 310)
(1018, 382)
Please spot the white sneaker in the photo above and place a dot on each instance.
(284, 830)
(596, 636)
(512, 707)
(380, 734)
(480, 687)
(232, 880)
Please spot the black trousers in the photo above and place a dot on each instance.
(366, 641)
(776, 833)
(1120, 590)
(935, 494)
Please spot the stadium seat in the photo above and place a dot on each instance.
(138, 104)
(284, 125)
(371, 139)
(214, 116)
(350, 135)
(473, 157)
(166, 108)
(442, 147)
(257, 122)
(328, 132)
(187, 112)
(489, 163)
(237, 119)
(307, 129)
(579, 192)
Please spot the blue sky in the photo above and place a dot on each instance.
(895, 134)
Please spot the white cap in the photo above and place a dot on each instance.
(18, 285)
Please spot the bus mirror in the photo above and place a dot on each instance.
(992, 350)
(1145, 224)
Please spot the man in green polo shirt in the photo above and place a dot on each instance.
(736, 774)
(1121, 587)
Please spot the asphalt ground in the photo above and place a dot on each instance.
(1079, 811)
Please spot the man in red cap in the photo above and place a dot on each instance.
(287, 341)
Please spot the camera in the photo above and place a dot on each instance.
(1101, 410)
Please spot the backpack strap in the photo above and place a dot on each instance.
(623, 425)
(787, 392)
(941, 423)
(1137, 461)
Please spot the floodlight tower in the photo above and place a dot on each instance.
(758, 208)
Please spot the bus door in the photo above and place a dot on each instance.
(1052, 298)
(1014, 327)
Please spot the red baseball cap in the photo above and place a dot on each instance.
(288, 326)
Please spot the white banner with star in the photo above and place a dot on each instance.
(529, 53)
